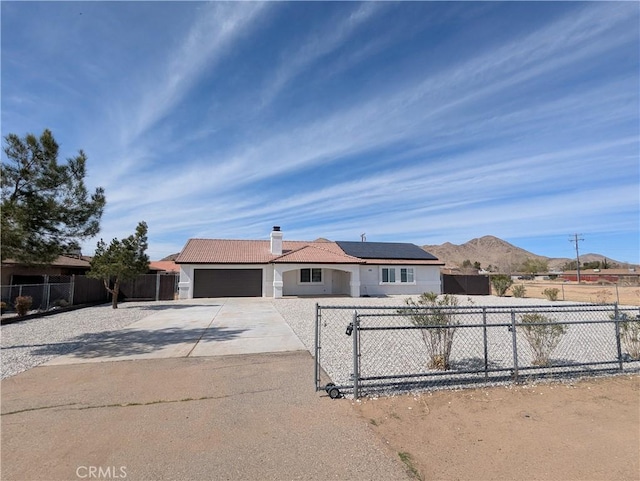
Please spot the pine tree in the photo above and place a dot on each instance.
(119, 261)
(46, 208)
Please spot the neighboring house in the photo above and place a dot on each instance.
(168, 267)
(64, 266)
(623, 276)
(276, 268)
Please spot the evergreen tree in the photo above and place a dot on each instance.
(46, 208)
(534, 266)
(121, 260)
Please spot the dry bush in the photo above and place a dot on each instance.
(543, 335)
(23, 305)
(501, 283)
(439, 320)
(603, 296)
(551, 293)
(519, 290)
(630, 335)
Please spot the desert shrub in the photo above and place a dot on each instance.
(61, 303)
(519, 290)
(3, 307)
(23, 305)
(432, 310)
(501, 283)
(602, 296)
(630, 336)
(542, 334)
(551, 293)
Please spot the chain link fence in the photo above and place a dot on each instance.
(381, 350)
(44, 296)
(63, 291)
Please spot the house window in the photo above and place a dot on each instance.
(394, 275)
(406, 274)
(388, 274)
(311, 276)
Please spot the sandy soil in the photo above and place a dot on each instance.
(588, 430)
(568, 291)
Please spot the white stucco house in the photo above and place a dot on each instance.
(277, 268)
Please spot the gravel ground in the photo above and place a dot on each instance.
(300, 312)
(27, 344)
(403, 352)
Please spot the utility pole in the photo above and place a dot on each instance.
(576, 239)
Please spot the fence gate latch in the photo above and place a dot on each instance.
(349, 329)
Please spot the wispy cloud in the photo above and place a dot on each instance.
(318, 46)
(206, 43)
(223, 132)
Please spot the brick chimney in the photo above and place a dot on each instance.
(276, 241)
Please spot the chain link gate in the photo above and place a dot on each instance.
(379, 350)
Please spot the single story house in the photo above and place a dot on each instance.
(629, 276)
(14, 272)
(276, 268)
(168, 267)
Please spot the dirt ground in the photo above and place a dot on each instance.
(588, 430)
(572, 291)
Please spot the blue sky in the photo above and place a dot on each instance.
(419, 122)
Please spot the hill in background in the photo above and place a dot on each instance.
(492, 251)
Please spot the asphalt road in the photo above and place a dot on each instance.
(235, 417)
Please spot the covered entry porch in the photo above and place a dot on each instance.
(316, 279)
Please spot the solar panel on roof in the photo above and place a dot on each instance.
(385, 250)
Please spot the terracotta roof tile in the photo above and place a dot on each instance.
(168, 266)
(315, 254)
(62, 261)
(227, 251)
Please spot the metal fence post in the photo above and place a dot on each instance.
(72, 289)
(317, 348)
(484, 339)
(158, 286)
(45, 293)
(515, 345)
(47, 297)
(356, 364)
(616, 319)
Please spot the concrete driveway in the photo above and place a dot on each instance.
(193, 328)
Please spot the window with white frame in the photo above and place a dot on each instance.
(397, 275)
(311, 276)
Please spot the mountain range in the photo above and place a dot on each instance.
(492, 251)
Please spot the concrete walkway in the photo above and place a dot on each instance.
(192, 328)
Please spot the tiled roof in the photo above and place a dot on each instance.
(168, 266)
(62, 261)
(226, 251)
(326, 253)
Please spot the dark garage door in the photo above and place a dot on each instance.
(227, 283)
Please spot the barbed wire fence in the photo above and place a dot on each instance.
(367, 350)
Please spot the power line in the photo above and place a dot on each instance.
(576, 239)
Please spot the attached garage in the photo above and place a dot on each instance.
(227, 283)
